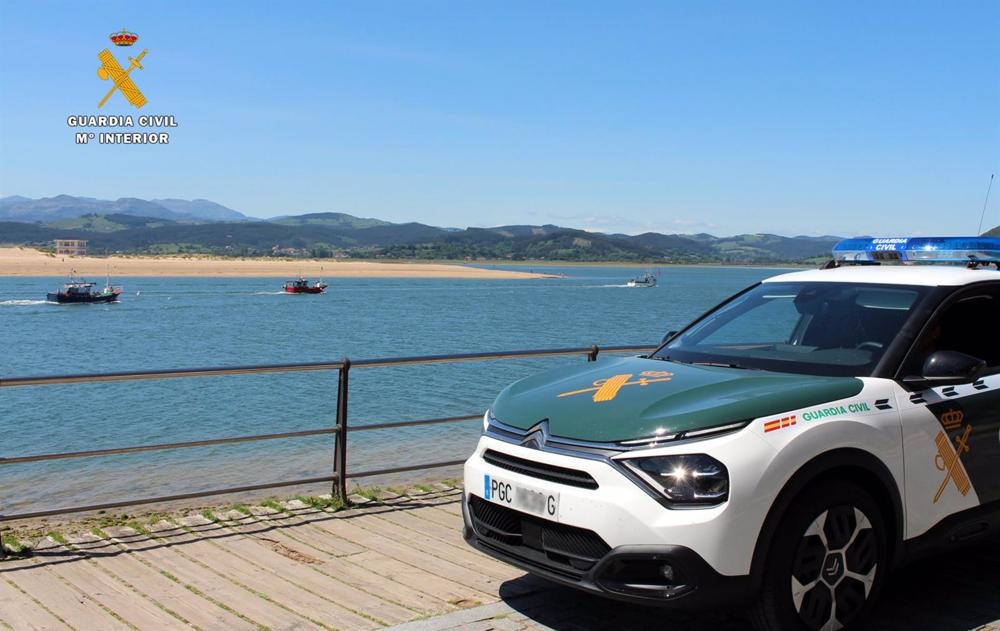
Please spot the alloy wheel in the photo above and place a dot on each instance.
(834, 568)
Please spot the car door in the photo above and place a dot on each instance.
(951, 434)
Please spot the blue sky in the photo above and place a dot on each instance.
(789, 117)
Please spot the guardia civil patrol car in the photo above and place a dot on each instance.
(785, 450)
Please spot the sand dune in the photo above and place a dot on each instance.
(29, 262)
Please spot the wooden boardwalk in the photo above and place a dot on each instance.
(399, 563)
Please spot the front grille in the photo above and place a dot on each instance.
(542, 471)
(565, 549)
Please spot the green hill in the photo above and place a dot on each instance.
(107, 223)
(330, 220)
(560, 245)
(671, 243)
(526, 231)
(328, 234)
(394, 233)
(238, 239)
(771, 246)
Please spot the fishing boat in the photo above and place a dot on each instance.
(646, 280)
(302, 286)
(78, 291)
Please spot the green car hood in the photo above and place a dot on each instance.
(634, 397)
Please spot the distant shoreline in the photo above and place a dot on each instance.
(23, 261)
(624, 264)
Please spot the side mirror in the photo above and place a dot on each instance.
(666, 337)
(947, 368)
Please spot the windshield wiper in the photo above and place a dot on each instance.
(668, 358)
(724, 365)
(713, 364)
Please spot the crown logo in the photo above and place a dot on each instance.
(123, 38)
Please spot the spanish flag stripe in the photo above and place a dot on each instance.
(780, 423)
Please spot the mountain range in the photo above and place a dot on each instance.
(200, 226)
(18, 208)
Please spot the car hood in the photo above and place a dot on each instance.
(634, 397)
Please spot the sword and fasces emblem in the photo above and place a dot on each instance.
(949, 457)
(110, 69)
(607, 389)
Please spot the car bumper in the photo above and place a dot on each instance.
(630, 573)
(614, 540)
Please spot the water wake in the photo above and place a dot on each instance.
(22, 303)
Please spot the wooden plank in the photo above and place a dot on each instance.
(444, 589)
(360, 575)
(275, 521)
(147, 580)
(415, 577)
(461, 555)
(410, 520)
(413, 519)
(74, 568)
(164, 556)
(321, 611)
(341, 567)
(436, 499)
(474, 585)
(59, 598)
(291, 561)
(19, 611)
(445, 518)
(440, 517)
(454, 509)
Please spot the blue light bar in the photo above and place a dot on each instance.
(919, 249)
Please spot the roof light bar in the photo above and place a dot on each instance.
(975, 250)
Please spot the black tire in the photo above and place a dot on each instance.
(827, 562)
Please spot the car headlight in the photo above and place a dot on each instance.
(486, 419)
(690, 479)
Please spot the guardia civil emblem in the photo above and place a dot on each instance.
(607, 389)
(111, 69)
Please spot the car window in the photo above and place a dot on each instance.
(773, 320)
(835, 329)
(968, 325)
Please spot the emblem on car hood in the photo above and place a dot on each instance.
(607, 389)
(633, 397)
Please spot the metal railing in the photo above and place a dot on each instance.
(340, 473)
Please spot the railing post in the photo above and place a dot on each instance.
(3, 550)
(340, 450)
(592, 355)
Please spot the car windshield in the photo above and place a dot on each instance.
(831, 329)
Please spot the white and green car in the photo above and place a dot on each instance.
(784, 451)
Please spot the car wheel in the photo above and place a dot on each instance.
(826, 564)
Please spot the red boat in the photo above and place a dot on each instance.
(302, 286)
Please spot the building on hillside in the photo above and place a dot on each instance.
(71, 247)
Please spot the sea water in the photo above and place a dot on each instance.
(165, 323)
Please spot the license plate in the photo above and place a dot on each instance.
(521, 497)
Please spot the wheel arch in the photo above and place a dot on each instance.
(856, 465)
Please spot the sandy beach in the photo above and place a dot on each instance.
(16, 261)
